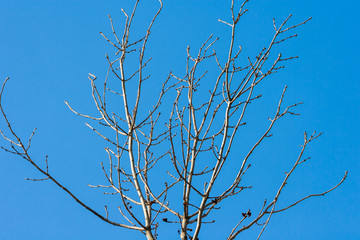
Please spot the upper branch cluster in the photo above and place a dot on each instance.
(198, 137)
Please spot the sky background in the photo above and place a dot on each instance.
(48, 48)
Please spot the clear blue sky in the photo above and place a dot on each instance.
(49, 47)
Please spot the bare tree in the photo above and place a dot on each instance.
(200, 132)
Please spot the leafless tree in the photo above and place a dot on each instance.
(198, 136)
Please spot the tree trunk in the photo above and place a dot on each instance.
(184, 223)
(149, 235)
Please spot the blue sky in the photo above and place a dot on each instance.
(48, 48)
